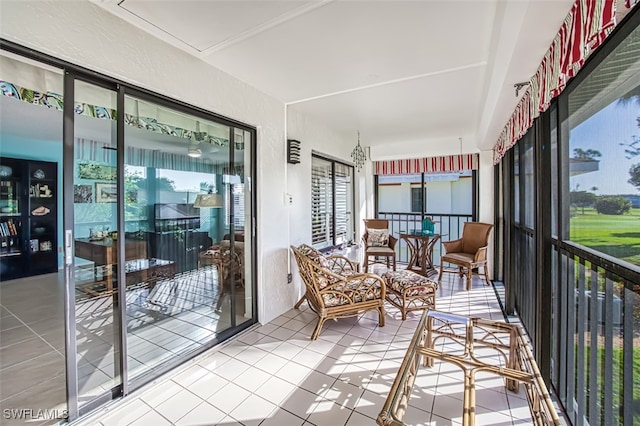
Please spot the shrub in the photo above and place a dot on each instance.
(612, 204)
(582, 199)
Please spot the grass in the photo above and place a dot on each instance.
(615, 235)
(618, 374)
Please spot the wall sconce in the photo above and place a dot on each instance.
(293, 151)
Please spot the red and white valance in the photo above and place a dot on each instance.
(449, 163)
(584, 29)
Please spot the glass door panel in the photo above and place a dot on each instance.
(32, 292)
(95, 263)
(177, 200)
(236, 304)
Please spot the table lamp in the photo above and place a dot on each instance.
(209, 200)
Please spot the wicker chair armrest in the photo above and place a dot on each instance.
(454, 246)
(392, 242)
(340, 264)
(360, 283)
(481, 254)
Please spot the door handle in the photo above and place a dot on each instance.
(68, 247)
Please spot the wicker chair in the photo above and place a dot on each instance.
(228, 264)
(332, 295)
(379, 249)
(468, 252)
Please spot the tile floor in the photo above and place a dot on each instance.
(32, 348)
(275, 375)
(176, 317)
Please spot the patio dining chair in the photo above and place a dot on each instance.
(468, 252)
(378, 242)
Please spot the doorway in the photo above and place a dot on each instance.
(146, 214)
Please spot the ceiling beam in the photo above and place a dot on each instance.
(509, 18)
(393, 81)
(252, 32)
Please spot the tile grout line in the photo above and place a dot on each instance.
(34, 332)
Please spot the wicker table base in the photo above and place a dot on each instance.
(472, 336)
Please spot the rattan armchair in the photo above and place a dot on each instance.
(332, 295)
(468, 252)
(337, 263)
(376, 248)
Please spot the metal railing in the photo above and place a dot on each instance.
(595, 354)
(449, 226)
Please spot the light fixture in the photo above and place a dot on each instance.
(238, 141)
(358, 155)
(194, 152)
(209, 200)
(293, 151)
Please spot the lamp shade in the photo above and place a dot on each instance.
(208, 200)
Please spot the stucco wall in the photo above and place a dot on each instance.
(486, 199)
(313, 136)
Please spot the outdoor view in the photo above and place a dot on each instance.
(604, 180)
(604, 215)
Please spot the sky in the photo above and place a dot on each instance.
(604, 132)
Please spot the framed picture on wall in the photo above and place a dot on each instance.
(82, 193)
(106, 192)
(96, 171)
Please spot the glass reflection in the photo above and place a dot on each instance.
(95, 213)
(184, 201)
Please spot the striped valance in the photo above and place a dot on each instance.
(449, 163)
(584, 29)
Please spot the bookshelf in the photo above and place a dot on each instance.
(28, 217)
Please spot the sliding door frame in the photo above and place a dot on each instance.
(73, 73)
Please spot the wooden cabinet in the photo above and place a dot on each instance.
(28, 217)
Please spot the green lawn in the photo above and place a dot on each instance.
(615, 235)
(617, 379)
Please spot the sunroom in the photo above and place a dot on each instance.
(159, 162)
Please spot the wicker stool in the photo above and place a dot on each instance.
(409, 291)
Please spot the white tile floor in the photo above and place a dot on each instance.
(275, 375)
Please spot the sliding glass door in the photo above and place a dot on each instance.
(95, 209)
(137, 214)
(32, 323)
(184, 221)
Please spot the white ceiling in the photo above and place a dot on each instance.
(401, 72)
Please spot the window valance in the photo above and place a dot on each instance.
(584, 29)
(449, 163)
(101, 152)
(150, 119)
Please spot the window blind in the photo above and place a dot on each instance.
(321, 202)
(331, 202)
